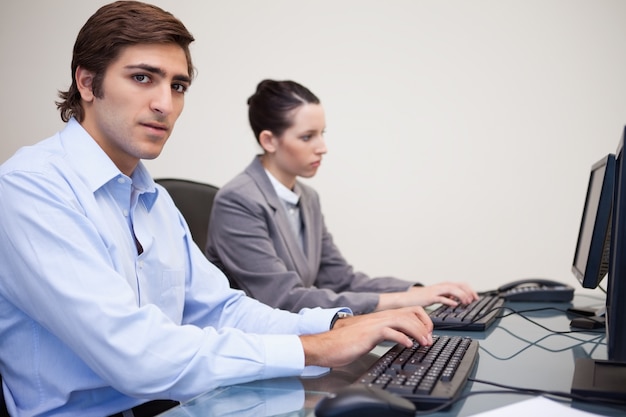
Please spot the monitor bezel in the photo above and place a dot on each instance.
(616, 289)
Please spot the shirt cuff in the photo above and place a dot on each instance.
(284, 356)
(318, 320)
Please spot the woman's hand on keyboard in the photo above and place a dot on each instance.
(353, 337)
(448, 293)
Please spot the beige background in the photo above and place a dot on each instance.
(460, 133)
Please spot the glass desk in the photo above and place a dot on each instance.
(514, 351)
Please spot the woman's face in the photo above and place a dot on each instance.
(298, 151)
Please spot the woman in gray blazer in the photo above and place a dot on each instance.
(267, 231)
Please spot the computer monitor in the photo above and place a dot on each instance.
(592, 254)
(607, 378)
(616, 289)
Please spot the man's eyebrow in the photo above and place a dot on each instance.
(159, 71)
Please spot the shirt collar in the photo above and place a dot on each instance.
(283, 192)
(96, 168)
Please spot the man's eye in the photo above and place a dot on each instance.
(179, 88)
(141, 78)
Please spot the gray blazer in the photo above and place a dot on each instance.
(251, 240)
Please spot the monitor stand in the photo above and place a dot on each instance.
(599, 379)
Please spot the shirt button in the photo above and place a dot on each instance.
(121, 180)
(125, 213)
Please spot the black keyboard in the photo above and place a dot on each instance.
(477, 316)
(428, 376)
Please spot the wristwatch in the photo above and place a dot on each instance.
(339, 315)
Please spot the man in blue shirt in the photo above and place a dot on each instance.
(105, 301)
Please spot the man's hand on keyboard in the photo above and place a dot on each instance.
(353, 337)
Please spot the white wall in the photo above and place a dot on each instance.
(460, 133)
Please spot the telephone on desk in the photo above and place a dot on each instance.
(536, 289)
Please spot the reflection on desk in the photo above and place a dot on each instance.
(285, 397)
(525, 351)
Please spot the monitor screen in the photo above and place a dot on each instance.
(591, 257)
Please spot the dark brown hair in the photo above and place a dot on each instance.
(109, 30)
(270, 107)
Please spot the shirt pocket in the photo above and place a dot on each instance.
(172, 299)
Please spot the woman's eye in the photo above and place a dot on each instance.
(306, 138)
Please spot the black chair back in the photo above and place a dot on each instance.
(194, 200)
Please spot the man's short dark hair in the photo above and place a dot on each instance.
(112, 28)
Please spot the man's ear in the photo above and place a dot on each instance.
(84, 82)
(267, 140)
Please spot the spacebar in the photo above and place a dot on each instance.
(401, 390)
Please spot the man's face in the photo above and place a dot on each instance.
(143, 95)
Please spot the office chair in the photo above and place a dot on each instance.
(194, 200)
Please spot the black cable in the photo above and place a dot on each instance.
(509, 389)
(557, 394)
(530, 344)
(569, 333)
(533, 310)
(596, 340)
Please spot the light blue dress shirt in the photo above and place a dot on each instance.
(90, 327)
